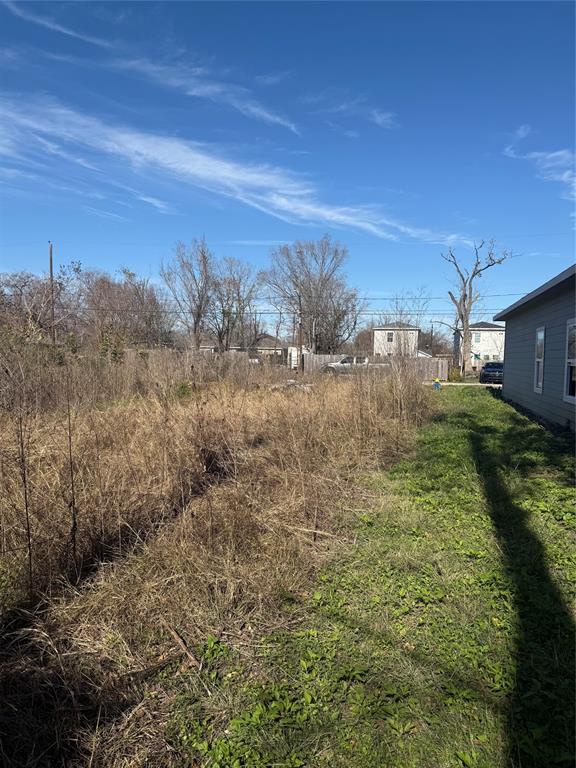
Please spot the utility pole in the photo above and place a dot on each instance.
(301, 361)
(432, 339)
(53, 325)
(314, 335)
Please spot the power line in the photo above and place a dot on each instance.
(421, 299)
(287, 312)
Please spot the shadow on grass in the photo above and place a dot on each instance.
(46, 698)
(46, 702)
(541, 710)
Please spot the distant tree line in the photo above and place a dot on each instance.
(90, 308)
(303, 295)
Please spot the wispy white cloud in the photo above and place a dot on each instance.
(41, 173)
(159, 205)
(53, 149)
(9, 57)
(273, 78)
(104, 214)
(522, 131)
(348, 132)
(346, 106)
(557, 165)
(40, 182)
(335, 101)
(198, 82)
(277, 191)
(8, 173)
(134, 194)
(383, 119)
(23, 12)
(194, 81)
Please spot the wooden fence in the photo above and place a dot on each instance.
(432, 368)
(429, 368)
(315, 362)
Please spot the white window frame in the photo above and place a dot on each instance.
(538, 388)
(565, 396)
(477, 337)
(389, 337)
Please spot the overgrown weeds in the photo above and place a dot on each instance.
(222, 498)
(442, 639)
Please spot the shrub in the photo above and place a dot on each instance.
(454, 374)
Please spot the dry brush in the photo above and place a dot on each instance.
(220, 497)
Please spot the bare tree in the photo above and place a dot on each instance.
(406, 313)
(25, 302)
(105, 315)
(364, 339)
(189, 278)
(467, 294)
(307, 281)
(231, 311)
(128, 310)
(149, 322)
(408, 308)
(435, 340)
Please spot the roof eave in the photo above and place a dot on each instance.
(537, 292)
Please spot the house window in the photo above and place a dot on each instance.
(570, 373)
(390, 337)
(476, 338)
(495, 357)
(486, 357)
(539, 360)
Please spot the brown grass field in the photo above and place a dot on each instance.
(146, 506)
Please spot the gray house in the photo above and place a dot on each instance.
(540, 350)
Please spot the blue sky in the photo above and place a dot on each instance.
(399, 128)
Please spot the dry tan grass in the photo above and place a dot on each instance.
(222, 503)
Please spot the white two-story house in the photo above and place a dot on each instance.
(486, 344)
(396, 339)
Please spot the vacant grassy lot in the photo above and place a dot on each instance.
(441, 637)
(136, 529)
(305, 577)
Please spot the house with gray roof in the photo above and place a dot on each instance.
(540, 350)
(486, 344)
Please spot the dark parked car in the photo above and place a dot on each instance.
(492, 373)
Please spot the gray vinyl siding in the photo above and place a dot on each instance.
(551, 310)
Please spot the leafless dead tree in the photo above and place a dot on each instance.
(467, 294)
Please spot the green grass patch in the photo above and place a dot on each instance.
(441, 638)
